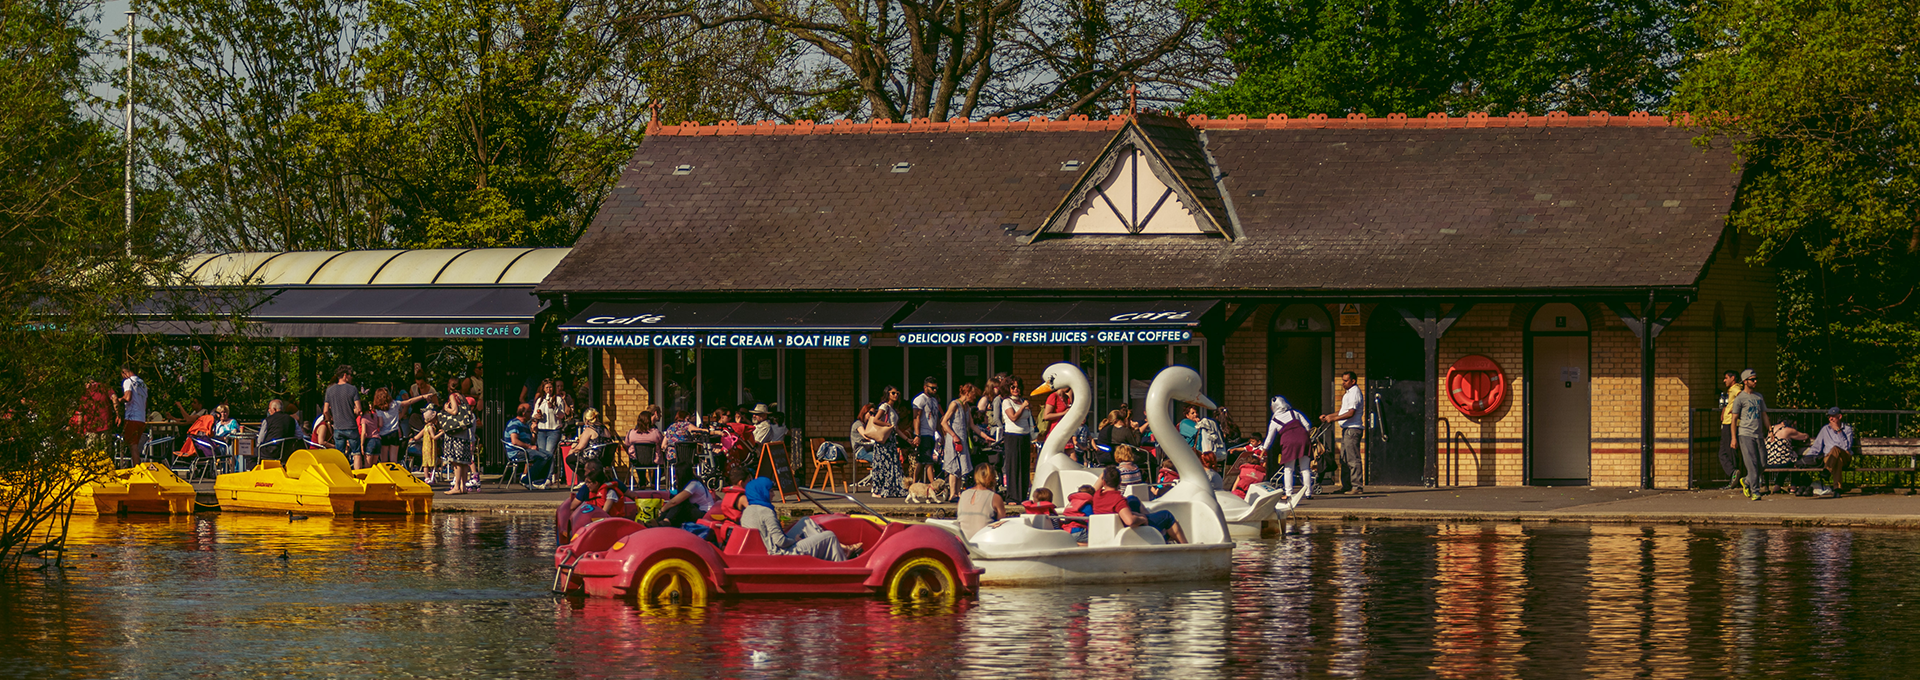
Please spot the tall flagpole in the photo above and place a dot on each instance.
(131, 38)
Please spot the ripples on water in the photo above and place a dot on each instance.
(464, 595)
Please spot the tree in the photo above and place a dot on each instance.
(69, 276)
(331, 124)
(1422, 56)
(941, 59)
(1821, 100)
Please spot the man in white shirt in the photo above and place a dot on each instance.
(926, 416)
(133, 392)
(1351, 424)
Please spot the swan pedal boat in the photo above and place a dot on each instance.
(318, 481)
(1028, 550)
(144, 488)
(669, 566)
(1257, 515)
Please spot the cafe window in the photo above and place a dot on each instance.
(907, 367)
(1121, 374)
(701, 380)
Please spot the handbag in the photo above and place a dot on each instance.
(829, 452)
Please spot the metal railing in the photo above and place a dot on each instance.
(1704, 459)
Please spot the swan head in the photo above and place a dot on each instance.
(1054, 379)
(1184, 385)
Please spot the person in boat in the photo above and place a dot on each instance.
(805, 537)
(1042, 503)
(691, 500)
(980, 505)
(1107, 500)
(1286, 445)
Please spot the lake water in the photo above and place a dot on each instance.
(458, 595)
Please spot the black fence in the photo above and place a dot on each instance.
(1705, 424)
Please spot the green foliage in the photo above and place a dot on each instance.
(1421, 56)
(66, 279)
(331, 124)
(1822, 100)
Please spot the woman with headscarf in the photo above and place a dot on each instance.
(1289, 428)
(805, 537)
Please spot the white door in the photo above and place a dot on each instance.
(1561, 400)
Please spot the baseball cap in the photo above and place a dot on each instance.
(1833, 411)
(1748, 375)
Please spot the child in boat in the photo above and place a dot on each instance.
(1079, 504)
(1042, 503)
(1129, 472)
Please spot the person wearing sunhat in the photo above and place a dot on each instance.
(766, 430)
(1834, 445)
(1751, 423)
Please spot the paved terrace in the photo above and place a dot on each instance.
(1464, 504)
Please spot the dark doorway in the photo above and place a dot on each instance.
(1397, 392)
(1300, 358)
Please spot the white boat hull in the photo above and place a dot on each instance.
(1117, 564)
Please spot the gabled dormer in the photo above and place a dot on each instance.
(1154, 178)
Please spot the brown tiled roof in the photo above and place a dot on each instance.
(1320, 205)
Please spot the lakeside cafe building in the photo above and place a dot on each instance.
(1526, 300)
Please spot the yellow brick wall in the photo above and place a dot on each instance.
(628, 384)
(832, 391)
(1245, 386)
(1485, 450)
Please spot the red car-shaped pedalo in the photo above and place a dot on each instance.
(670, 566)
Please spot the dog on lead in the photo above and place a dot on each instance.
(928, 492)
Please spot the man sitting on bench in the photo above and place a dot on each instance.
(1834, 444)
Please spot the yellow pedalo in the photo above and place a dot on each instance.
(318, 481)
(145, 488)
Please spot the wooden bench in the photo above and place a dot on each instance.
(1873, 454)
(1888, 454)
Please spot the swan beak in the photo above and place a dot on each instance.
(1202, 400)
(1043, 389)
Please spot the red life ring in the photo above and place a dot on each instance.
(1476, 385)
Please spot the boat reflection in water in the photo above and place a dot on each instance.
(447, 595)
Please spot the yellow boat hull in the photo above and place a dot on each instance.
(318, 481)
(144, 488)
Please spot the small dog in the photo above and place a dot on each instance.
(928, 492)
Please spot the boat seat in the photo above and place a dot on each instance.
(746, 541)
(1105, 530)
(1042, 522)
(303, 459)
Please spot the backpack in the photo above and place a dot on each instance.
(830, 452)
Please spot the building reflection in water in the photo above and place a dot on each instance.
(209, 595)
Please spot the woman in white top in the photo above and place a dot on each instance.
(1016, 433)
(391, 413)
(549, 411)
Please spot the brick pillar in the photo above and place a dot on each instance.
(628, 385)
(832, 391)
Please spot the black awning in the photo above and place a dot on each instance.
(378, 305)
(728, 324)
(1063, 322)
